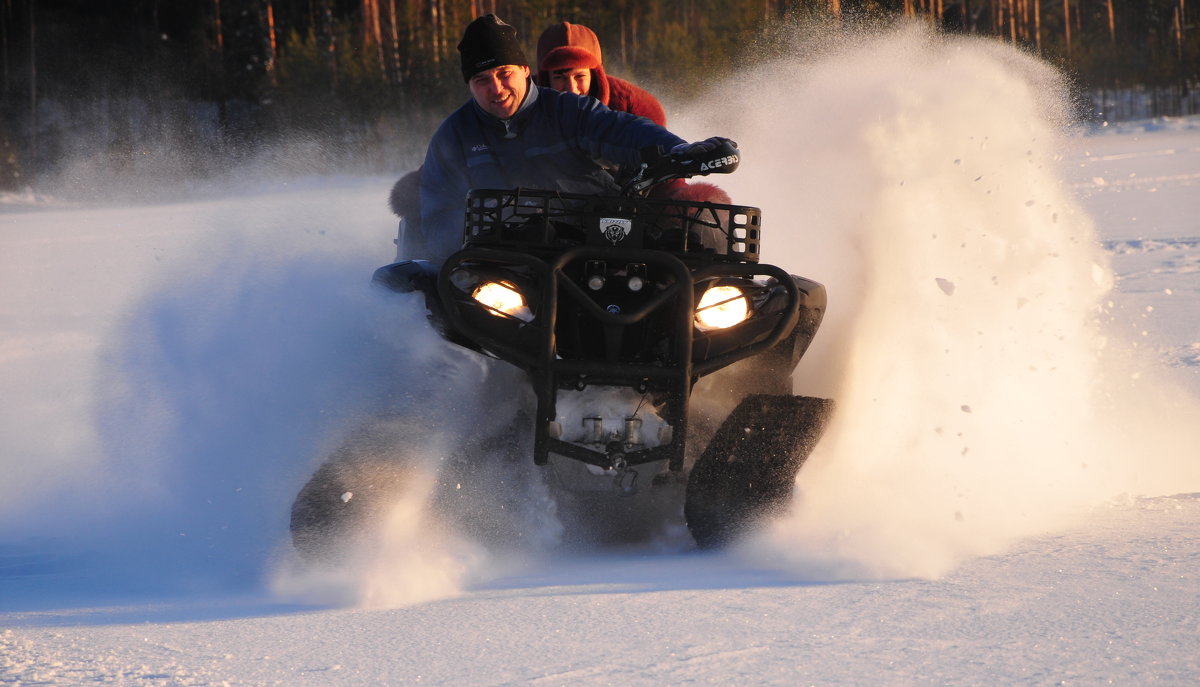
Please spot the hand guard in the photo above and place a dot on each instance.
(685, 151)
(714, 155)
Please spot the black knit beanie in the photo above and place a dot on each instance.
(487, 43)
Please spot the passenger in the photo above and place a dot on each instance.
(569, 59)
(512, 133)
(405, 201)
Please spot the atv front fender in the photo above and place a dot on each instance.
(410, 276)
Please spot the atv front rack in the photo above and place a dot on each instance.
(527, 219)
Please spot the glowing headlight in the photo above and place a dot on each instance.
(501, 297)
(721, 307)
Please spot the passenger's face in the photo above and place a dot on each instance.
(577, 81)
(500, 90)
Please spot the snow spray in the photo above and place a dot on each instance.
(256, 373)
(979, 400)
(226, 374)
(404, 557)
(440, 528)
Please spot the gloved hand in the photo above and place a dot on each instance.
(700, 148)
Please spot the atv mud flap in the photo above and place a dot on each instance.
(748, 470)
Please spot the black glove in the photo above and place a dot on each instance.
(700, 148)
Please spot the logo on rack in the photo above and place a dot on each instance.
(615, 229)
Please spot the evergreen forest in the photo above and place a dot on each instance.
(364, 82)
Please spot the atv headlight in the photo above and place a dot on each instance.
(722, 307)
(502, 298)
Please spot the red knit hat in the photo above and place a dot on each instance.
(572, 46)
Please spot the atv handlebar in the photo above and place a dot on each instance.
(723, 158)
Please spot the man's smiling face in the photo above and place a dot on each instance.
(500, 90)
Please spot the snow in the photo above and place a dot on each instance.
(1009, 493)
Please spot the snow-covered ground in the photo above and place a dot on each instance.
(1009, 495)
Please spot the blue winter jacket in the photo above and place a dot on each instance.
(558, 141)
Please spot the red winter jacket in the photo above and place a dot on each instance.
(574, 46)
(626, 97)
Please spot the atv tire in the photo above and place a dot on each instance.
(749, 468)
(338, 502)
(343, 504)
(354, 487)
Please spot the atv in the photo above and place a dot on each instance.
(614, 308)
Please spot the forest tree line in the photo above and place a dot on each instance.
(217, 78)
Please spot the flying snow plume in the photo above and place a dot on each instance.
(979, 400)
(233, 386)
(236, 368)
(220, 394)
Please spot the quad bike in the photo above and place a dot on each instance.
(615, 308)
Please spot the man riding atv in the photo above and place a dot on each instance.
(514, 134)
(613, 303)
